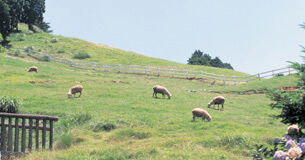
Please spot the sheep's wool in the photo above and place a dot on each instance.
(295, 153)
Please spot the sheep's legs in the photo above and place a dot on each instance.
(80, 93)
(194, 118)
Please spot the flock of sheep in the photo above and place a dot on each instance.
(197, 112)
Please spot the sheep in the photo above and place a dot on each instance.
(162, 90)
(198, 112)
(217, 100)
(75, 89)
(33, 69)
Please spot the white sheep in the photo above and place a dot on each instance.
(33, 69)
(75, 89)
(162, 90)
(217, 100)
(198, 112)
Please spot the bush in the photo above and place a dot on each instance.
(81, 55)
(17, 37)
(103, 126)
(2, 49)
(44, 58)
(54, 40)
(64, 141)
(9, 104)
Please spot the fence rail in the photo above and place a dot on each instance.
(164, 72)
(10, 132)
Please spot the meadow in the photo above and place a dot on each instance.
(117, 117)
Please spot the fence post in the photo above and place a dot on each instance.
(133, 69)
(202, 75)
(146, 70)
(214, 77)
(272, 73)
(247, 78)
(223, 78)
(94, 66)
(71, 63)
(105, 67)
(289, 71)
(259, 76)
(234, 80)
(172, 73)
(158, 71)
(120, 68)
(187, 75)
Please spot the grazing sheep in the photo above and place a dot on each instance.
(75, 89)
(217, 100)
(162, 90)
(33, 69)
(198, 112)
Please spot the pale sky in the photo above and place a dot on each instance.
(252, 35)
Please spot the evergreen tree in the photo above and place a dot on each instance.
(200, 58)
(5, 19)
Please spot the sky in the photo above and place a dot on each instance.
(254, 36)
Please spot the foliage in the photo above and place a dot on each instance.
(9, 104)
(291, 104)
(54, 40)
(27, 11)
(44, 58)
(17, 37)
(81, 55)
(198, 58)
(103, 126)
(2, 49)
(65, 141)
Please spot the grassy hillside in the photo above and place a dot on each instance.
(145, 127)
(64, 47)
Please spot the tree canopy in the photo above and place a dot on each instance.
(200, 58)
(26, 11)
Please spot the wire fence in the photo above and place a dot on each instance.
(145, 70)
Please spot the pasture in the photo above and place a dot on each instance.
(145, 127)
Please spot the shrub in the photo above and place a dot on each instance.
(131, 133)
(61, 50)
(17, 37)
(81, 55)
(9, 104)
(44, 58)
(80, 118)
(2, 49)
(103, 126)
(28, 48)
(64, 141)
(54, 40)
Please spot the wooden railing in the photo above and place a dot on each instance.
(10, 132)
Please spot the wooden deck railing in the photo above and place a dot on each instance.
(10, 132)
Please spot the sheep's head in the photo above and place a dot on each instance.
(209, 118)
(169, 96)
(209, 105)
(69, 94)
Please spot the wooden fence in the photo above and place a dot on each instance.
(11, 143)
(164, 72)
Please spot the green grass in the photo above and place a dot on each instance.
(145, 127)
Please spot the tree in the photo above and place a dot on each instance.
(200, 58)
(33, 12)
(5, 20)
(292, 104)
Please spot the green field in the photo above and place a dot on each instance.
(146, 127)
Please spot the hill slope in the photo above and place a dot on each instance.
(63, 47)
(145, 127)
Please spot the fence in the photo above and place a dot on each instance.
(7, 134)
(164, 72)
